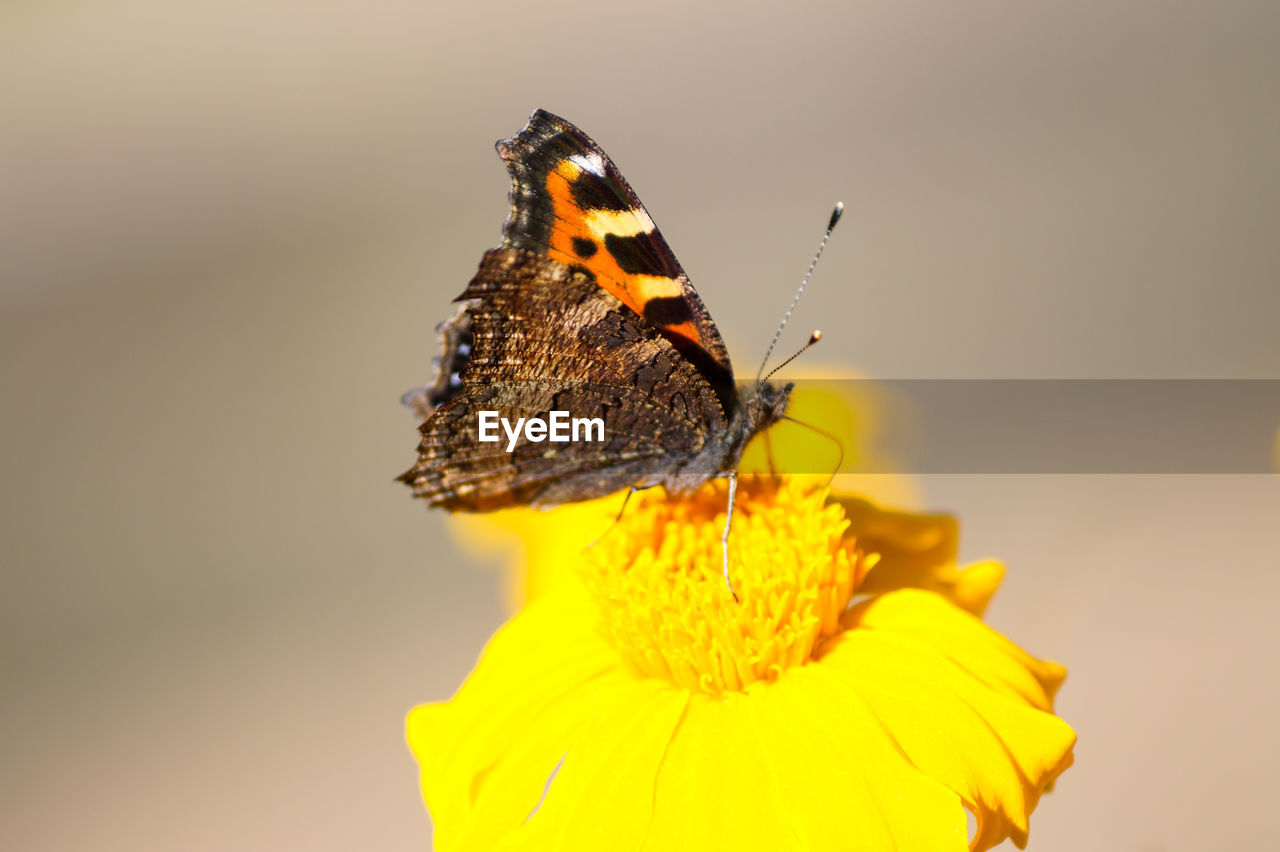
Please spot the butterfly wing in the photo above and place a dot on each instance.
(546, 337)
(446, 383)
(572, 204)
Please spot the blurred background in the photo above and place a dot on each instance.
(227, 230)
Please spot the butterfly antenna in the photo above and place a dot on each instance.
(835, 217)
(813, 338)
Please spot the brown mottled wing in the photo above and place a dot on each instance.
(547, 337)
(572, 204)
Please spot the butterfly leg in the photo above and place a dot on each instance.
(728, 523)
(625, 500)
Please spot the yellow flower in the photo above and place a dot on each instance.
(658, 713)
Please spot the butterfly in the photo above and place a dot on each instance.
(583, 309)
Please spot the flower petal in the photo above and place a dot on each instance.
(603, 796)
(779, 767)
(485, 755)
(965, 705)
(918, 551)
(547, 693)
(537, 549)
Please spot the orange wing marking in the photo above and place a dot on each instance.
(574, 223)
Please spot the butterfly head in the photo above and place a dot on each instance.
(764, 404)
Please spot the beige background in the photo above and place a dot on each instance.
(227, 229)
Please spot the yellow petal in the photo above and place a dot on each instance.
(537, 548)
(486, 754)
(602, 797)
(965, 705)
(918, 551)
(781, 767)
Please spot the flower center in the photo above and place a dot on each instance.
(658, 581)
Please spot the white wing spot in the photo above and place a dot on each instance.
(589, 163)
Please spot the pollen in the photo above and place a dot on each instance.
(657, 581)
